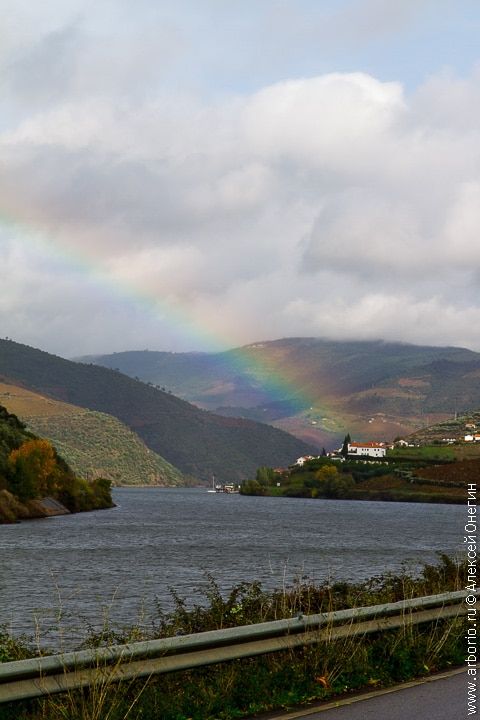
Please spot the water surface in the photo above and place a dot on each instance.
(121, 562)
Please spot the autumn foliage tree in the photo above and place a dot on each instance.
(33, 470)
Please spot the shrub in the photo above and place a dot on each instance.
(248, 686)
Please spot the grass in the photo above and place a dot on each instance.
(426, 452)
(279, 680)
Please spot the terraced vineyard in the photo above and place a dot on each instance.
(93, 443)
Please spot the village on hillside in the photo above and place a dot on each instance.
(352, 450)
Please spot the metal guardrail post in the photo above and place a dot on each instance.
(35, 677)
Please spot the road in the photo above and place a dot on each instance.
(439, 697)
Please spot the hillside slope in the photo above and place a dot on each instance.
(320, 389)
(199, 443)
(94, 444)
(35, 481)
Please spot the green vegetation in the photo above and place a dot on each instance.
(406, 475)
(450, 435)
(426, 454)
(95, 443)
(279, 680)
(31, 469)
(198, 443)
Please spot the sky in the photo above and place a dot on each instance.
(203, 174)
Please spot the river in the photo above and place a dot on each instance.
(76, 570)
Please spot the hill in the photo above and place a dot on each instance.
(94, 444)
(198, 443)
(35, 481)
(319, 389)
(454, 429)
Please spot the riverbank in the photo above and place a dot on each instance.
(12, 510)
(364, 480)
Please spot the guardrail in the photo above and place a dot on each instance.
(35, 677)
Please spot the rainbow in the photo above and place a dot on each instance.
(245, 360)
(90, 267)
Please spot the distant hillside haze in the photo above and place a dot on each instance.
(198, 443)
(319, 389)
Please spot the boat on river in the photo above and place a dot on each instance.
(228, 488)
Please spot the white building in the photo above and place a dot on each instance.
(302, 460)
(368, 449)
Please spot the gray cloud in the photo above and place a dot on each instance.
(151, 216)
(42, 74)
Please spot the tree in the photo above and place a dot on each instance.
(33, 469)
(341, 486)
(332, 483)
(252, 487)
(22, 480)
(346, 441)
(265, 475)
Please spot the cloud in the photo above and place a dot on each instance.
(152, 216)
(365, 20)
(42, 75)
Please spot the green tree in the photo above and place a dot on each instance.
(265, 475)
(332, 483)
(252, 487)
(102, 490)
(341, 486)
(23, 480)
(346, 441)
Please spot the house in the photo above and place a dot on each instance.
(368, 449)
(302, 460)
(336, 456)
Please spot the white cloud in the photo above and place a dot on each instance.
(335, 203)
(323, 121)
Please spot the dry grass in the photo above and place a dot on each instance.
(25, 403)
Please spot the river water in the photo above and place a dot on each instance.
(74, 570)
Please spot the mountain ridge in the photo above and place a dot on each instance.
(319, 389)
(198, 443)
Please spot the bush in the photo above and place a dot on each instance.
(252, 487)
